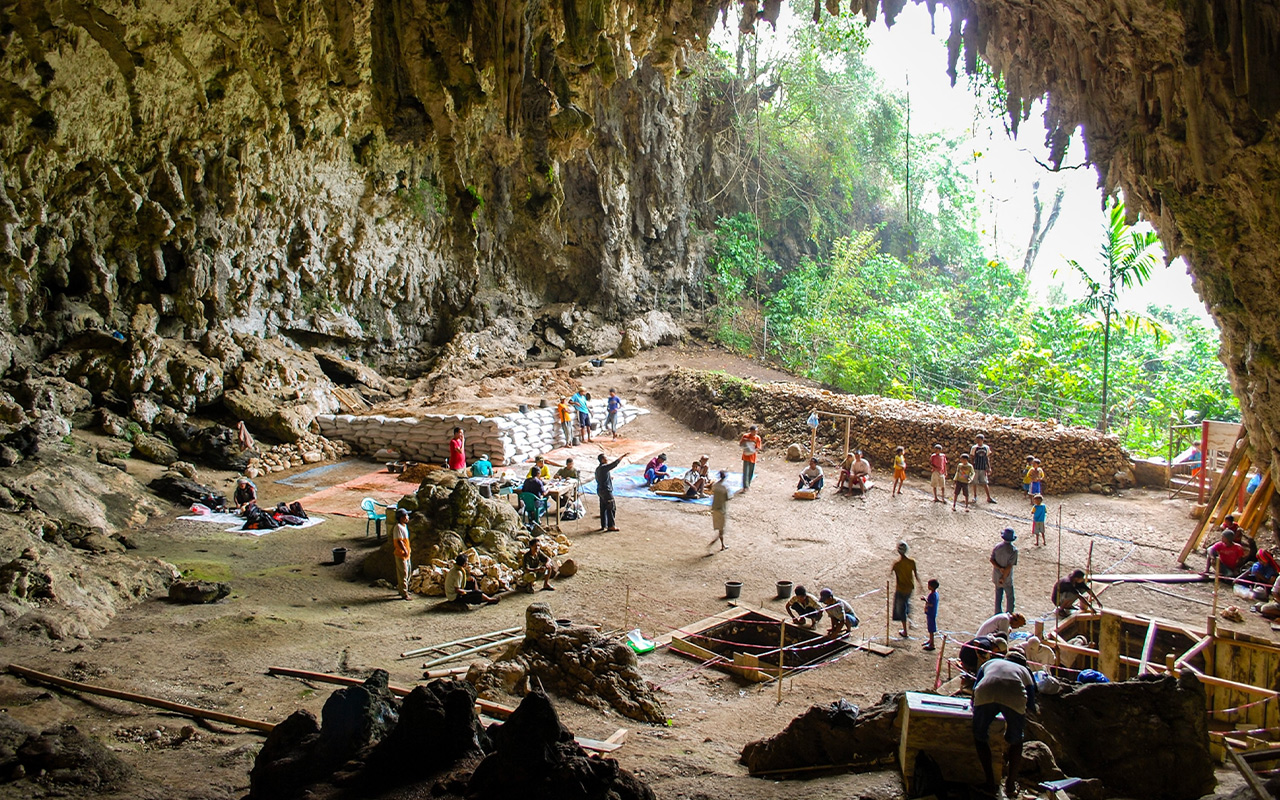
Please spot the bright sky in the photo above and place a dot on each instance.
(1007, 168)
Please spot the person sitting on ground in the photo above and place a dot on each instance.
(245, 495)
(1004, 687)
(656, 469)
(461, 587)
(482, 467)
(540, 468)
(804, 609)
(704, 467)
(1265, 569)
(844, 484)
(861, 471)
(1231, 557)
(840, 612)
(536, 564)
(1071, 590)
(811, 478)
(1001, 624)
(1271, 608)
(695, 482)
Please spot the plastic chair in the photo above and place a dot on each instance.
(370, 507)
(532, 507)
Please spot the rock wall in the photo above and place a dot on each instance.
(1074, 458)
(508, 439)
(398, 177)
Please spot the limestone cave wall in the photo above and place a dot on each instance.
(401, 178)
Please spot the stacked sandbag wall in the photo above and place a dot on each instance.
(1074, 458)
(508, 439)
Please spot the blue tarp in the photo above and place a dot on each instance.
(628, 481)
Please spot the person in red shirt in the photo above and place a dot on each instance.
(1231, 556)
(457, 451)
(938, 478)
(750, 442)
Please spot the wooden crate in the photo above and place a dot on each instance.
(942, 727)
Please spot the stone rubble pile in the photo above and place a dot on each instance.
(428, 579)
(508, 439)
(311, 448)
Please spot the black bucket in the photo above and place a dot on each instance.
(523, 408)
(339, 555)
(732, 589)
(563, 623)
(784, 589)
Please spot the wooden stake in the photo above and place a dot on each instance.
(848, 425)
(142, 699)
(782, 656)
(626, 609)
(1088, 564)
(1059, 541)
(813, 443)
(1217, 577)
(888, 602)
(937, 673)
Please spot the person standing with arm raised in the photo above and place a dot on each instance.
(604, 492)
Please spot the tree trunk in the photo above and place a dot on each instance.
(1038, 233)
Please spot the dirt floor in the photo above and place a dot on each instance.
(291, 608)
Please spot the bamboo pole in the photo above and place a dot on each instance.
(421, 650)
(937, 673)
(470, 651)
(1219, 486)
(141, 699)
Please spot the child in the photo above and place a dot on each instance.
(931, 611)
(1038, 513)
(1037, 478)
(1026, 477)
(964, 474)
(899, 470)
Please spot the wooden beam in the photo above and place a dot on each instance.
(141, 699)
(1138, 577)
(325, 677)
(1146, 648)
(1193, 652)
(1237, 453)
(1109, 631)
(1245, 688)
(1250, 777)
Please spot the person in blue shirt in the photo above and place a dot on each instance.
(1039, 511)
(579, 402)
(482, 467)
(931, 611)
(611, 421)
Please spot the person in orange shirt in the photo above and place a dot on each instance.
(750, 442)
(400, 548)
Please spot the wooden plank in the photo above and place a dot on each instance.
(1147, 644)
(1109, 633)
(1138, 577)
(1250, 777)
(1194, 651)
(1219, 486)
(618, 737)
(502, 634)
(141, 699)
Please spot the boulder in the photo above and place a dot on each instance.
(76, 490)
(197, 592)
(279, 390)
(347, 372)
(154, 449)
(64, 755)
(438, 727)
(647, 332)
(796, 452)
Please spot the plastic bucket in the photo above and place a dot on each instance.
(732, 589)
(784, 589)
(339, 555)
(523, 408)
(563, 623)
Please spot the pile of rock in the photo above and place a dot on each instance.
(507, 439)
(1074, 458)
(311, 448)
(573, 661)
(497, 577)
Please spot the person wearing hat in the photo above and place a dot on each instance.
(482, 467)
(245, 495)
(1005, 688)
(461, 587)
(803, 608)
(840, 612)
(905, 577)
(751, 443)
(400, 549)
(980, 457)
(1003, 559)
(1071, 590)
(1232, 557)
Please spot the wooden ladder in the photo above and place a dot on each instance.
(468, 646)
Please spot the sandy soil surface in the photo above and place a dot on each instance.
(290, 608)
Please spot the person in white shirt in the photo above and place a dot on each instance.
(1002, 624)
(811, 477)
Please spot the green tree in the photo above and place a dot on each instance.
(1128, 256)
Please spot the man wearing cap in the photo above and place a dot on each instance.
(980, 455)
(1003, 688)
(482, 467)
(1003, 559)
(843, 620)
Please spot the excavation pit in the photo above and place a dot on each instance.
(747, 643)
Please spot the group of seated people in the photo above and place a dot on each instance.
(855, 471)
(697, 480)
(1240, 560)
(462, 586)
(804, 610)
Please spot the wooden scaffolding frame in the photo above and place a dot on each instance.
(1229, 496)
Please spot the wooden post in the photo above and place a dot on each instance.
(1110, 627)
(1147, 644)
(1088, 564)
(626, 609)
(848, 425)
(888, 602)
(942, 655)
(1059, 541)
(1217, 577)
(782, 656)
(1219, 486)
(813, 441)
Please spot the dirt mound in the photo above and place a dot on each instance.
(1074, 458)
(574, 662)
(835, 734)
(64, 755)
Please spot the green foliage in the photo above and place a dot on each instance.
(424, 199)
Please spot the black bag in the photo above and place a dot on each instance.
(258, 520)
(295, 510)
